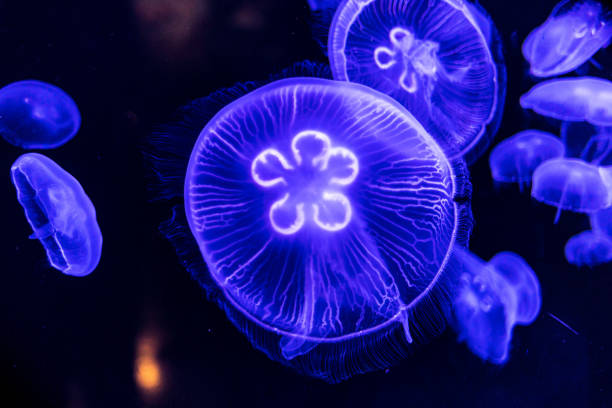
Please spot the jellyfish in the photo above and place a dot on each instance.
(325, 215)
(516, 158)
(572, 99)
(323, 4)
(37, 115)
(491, 299)
(592, 144)
(572, 34)
(601, 222)
(61, 215)
(573, 184)
(588, 249)
(440, 59)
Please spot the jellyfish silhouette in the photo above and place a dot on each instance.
(325, 215)
(588, 249)
(433, 57)
(60, 213)
(37, 115)
(516, 158)
(592, 144)
(601, 222)
(491, 299)
(573, 184)
(572, 99)
(572, 34)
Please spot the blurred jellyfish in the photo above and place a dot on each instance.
(590, 143)
(323, 4)
(573, 184)
(60, 213)
(515, 159)
(37, 115)
(436, 57)
(601, 222)
(326, 215)
(491, 299)
(588, 249)
(573, 33)
(572, 99)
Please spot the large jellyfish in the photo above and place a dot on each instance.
(37, 115)
(430, 55)
(491, 299)
(573, 33)
(516, 158)
(572, 99)
(589, 249)
(60, 213)
(590, 143)
(601, 222)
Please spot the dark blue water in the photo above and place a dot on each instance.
(70, 342)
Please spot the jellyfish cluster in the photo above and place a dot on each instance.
(572, 172)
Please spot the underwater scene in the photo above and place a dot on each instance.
(306, 203)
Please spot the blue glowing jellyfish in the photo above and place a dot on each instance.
(60, 213)
(572, 99)
(588, 249)
(590, 143)
(37, 115)
(572, 34)
(491, 299)
(601, 222)
(430, 55)
(573, 184)
(515, 159)
(326, 215)
(323, 4)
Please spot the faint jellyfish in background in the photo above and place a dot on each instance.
(588, 249)
(60, 213)
(592, 144)
(323, 4)
(515, 159)
(572, 99)
(37, 115)
(573, 184)
(491, 299)
(572, 34)
(433, 57)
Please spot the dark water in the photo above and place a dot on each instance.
(70, 342)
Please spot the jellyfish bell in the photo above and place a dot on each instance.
(516, 158)
(432, 57)
(572, 34)
(60, 213)
(37, 115)
(572, 99)
(589, 249)
(592, 144)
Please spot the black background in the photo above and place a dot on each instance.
(69, 342)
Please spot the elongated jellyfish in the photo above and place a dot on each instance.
(37, 115)
(491, 299)
(572, 99)
(590, 143)
(572, 34)
(433, 57)
(515, 159)
(589, 249)
(573, 184)
(60, 213)
(601, 222)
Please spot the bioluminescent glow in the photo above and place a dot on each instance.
(573, 184)
(491, 299)
(37, 115)
(572, 34)
(572, 99)
(323, 4)
(431, 56)
(601, 222)
(60, 213)
(325, 212)
(588, 249)
(515, 159)
(592, 144)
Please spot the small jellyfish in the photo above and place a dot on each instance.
(572, 99)
(37, 115)
(323, 4)
(60, 213)
(433, 56)
(573, 184)
(491, 299)
(592, 144)
(601, 222)
(588, 249)
(573, 33)
(515, 159)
